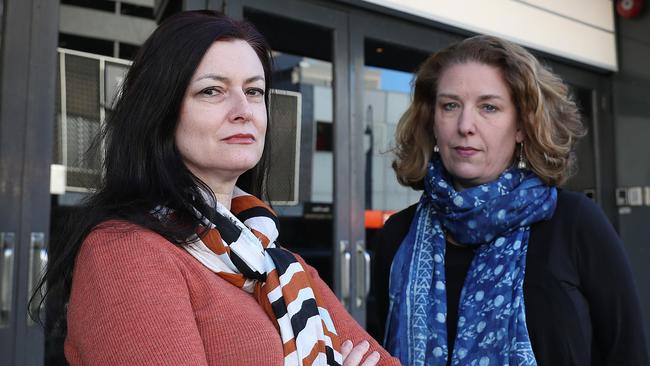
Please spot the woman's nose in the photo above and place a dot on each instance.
(240, 109)
(466, 122)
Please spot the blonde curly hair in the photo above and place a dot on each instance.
(547, 114)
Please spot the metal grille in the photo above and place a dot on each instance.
(82, 87)
(83, 84)
(285, 107)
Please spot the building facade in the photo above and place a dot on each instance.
(342, 78)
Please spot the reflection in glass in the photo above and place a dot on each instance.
(386, 97)
(306, 227)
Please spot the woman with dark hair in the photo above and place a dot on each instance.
(496, 265)
(170, 262)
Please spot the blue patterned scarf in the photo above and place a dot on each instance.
(495, 217)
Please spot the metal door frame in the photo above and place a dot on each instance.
(27, 112)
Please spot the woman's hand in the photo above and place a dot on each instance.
(352, 356)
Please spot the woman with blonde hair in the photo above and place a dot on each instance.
(496, 265)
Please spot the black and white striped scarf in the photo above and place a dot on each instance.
(240, 247)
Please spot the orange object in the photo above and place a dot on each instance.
(375, 219)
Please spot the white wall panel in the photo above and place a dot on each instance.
(597, 13)
(322, 188)
(396, 105)
(323, 107)
(149, 3)
(545, 29)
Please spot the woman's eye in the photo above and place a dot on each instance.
(450, 106)
(489, 108)
(210, 92)
(255, 92)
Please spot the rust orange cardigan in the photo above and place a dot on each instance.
(137, 299)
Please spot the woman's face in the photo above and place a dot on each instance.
(222, 123)
(475, 123)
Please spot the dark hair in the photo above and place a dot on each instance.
(548, 115)
(142, 165)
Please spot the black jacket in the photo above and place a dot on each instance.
(582, 306)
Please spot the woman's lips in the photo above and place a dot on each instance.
(466, 151)
(240, 139)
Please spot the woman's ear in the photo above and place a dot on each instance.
(519, 136)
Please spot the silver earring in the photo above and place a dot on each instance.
(436, 149)
(522, 160)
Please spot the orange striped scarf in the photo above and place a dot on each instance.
(240, 247)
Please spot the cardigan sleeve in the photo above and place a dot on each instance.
(607, 282)
(383, 258)
(130, 305)
(385, 245)
(346, 327)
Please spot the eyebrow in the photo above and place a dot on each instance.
(225, 79)
(482, 97)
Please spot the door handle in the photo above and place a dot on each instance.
(363, 274)
(8, 247)
(345, 271)
(38, 257)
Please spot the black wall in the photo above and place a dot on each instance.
(631, 98)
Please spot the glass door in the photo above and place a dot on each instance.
(308, 183)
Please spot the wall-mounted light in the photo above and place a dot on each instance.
(629, 8)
